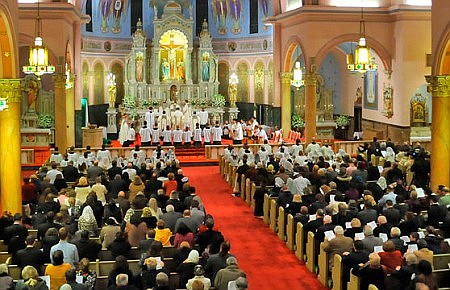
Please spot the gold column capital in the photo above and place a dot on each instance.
(438, 86)
(286, 77)
(10, 90)
(311, 79)
(60, 81)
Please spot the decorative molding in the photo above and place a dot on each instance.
(10, 89)
(439, 86)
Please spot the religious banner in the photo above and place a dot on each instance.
(371, 90)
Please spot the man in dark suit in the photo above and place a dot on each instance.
(210, 238)
(383, 227)
(42, 228)
(352, 259)
(30, 256)
(302, 216)
(70, 172)
(392, 214)
(87, 248)
(170, 217)
(436, 212)
(114, 170)
(327, 225)
(124, 203)
(145, 245)
(15, 236)
(116, 185)
(368, 214)
(313, 225)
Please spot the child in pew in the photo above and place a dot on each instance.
(89, 277)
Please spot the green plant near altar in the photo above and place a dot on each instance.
(218, 100)
(297, 122)
(129, 102)
(154, 102)
(45, 121)
(342, 121)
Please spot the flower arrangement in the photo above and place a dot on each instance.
(45, 121)
(129, 102)
(218, 100)
(297, 122)
(342, 121)
(154, 102)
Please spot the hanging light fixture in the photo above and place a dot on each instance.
(360, 60)
(38, 61)
(297, 80)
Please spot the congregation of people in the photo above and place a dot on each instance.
(119, 208)
(383, 219)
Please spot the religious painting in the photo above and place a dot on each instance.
(259, 82)
(224, 10)
(115, 9)
(388, 93)
(244, 84)
(371, 90)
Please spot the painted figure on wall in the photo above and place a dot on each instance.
(180, 70)
(236, 12)
(265, 7)
(105, 8)
(139, 67)
(205, 67)
(119, 9)
(165, 67)
(220, 11)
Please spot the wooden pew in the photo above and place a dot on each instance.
(3, 247)
(242, 185)
(310, 253)
(15, 272)
(281, 222)
(4, 256)
(290, 232)
(442, 278)
(323, 266)
(232, 175)
(236, 184)
(221, 165)
(336, 273)
(101, 282)
(441, 261)
(372, 287)
(266, 209)
(174, 280)
(273, 215)
(300, 242)
(252, 194)
(246, 193)
(354, 282)
(105, 267)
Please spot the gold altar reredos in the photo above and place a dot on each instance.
(169, 67)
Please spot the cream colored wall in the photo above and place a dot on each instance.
(440, 31)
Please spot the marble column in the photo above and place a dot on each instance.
(251, 80)
(188, 67)
(439, 87)
(286, 78)
(70, 112)
(60, 112)
(10, 164)
(310, 107)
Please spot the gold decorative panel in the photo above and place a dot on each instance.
(242, 72)
(259, 82)
(224, 75)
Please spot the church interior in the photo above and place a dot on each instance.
(343, 69)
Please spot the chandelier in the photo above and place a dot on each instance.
(297, 80)
(38, 60)
(360, 60)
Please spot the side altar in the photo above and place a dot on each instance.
(169, 70)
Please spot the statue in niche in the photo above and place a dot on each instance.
(32, 90)
(235, 12)
(139, 67)
(165, 67)
(180, 70)
(220, 12)
(205, 67)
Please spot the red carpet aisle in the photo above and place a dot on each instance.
(266, 260)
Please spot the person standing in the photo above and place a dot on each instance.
(197, 135)
(203, 118)
(145, 133)
(207, 135)
(123, 129)
(177, 137)
(131, 136)
(217, 134)
(167, 136)
(156, 133)
(150, 117)
(187, 137)
(238, 133)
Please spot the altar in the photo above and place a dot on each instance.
(170, 68)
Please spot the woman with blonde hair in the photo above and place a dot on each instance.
(5, 280)
(31, 280)
(89, 277)
(136, 186)
(155, 210)
(82, 189)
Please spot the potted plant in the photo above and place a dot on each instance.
(218, 100)
(297, 122)
(45, 121)
(342, 121)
